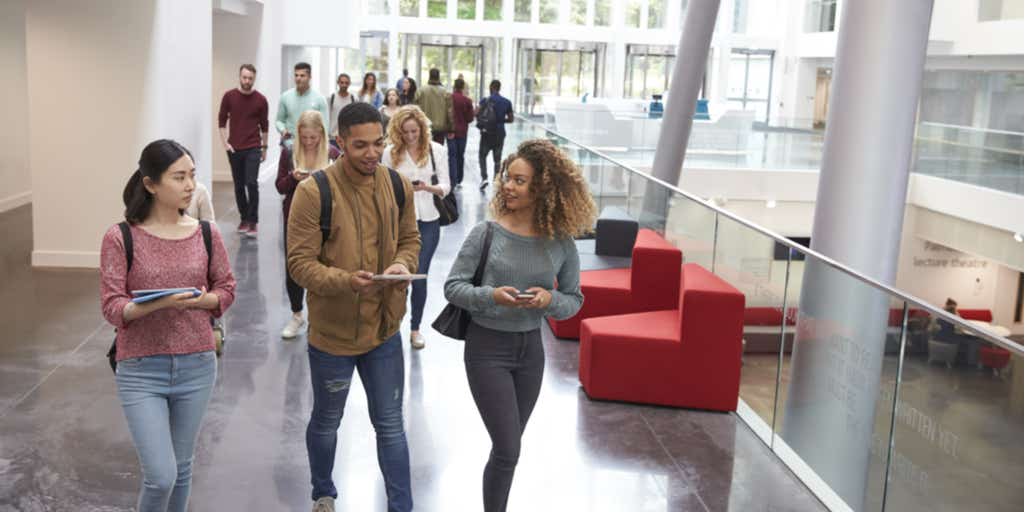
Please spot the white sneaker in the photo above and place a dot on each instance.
(417, 341)
(292, 329)
(324, 504)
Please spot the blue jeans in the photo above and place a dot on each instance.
(430, 233)
(382, 372)
(456, 159)
(164, 398)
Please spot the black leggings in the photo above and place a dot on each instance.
(295, 292)
(504, 370)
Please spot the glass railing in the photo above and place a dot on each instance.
(875, 399)
(735, 140)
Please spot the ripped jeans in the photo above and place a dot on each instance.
(382, 373)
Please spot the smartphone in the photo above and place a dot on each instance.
(525, 296)
(416, 182)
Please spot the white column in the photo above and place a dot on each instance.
(837, 357)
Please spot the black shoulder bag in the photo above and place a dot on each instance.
(447, 207)
(126, 237)
(454, 320)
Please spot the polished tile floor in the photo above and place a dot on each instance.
(64, 444)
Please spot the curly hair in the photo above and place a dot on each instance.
(563, 206)
(398, 145)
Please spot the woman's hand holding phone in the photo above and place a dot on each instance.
(506, 296)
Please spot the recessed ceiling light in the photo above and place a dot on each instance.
(1017, 237)
(771, 203)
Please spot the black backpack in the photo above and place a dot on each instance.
(126, 236)
(486, 119)
(325, 199)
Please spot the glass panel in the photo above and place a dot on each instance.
(378, 7)
(820, 16)
(633, 13)
(578, 12)
(635, 82)
(549, 11)
(602, 13)
(835, 401)
(433, 57)
(375, 58)
(739, 16)
(656, 79)
(690, 226)
(656, 13)
(493, 10)
(465, 62)
(547, 74)
(409, 8)
(437, 9)
(570, 74)
(736, 76)
(466, 9)
(522, 10)
(757, 266)
(587, 77)
(958, 432)
(759, 75)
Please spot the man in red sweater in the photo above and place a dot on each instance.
(462, 116)
(243, 122)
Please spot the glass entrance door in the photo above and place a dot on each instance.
(548, 70)
(750, 81)
(453, 62)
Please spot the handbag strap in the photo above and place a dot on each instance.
(478, 275)
(434, 168)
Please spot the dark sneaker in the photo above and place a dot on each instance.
(243, 227)
(251, 230)
(483, 185)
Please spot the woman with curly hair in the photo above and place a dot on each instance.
(541, 203)
(412, 154)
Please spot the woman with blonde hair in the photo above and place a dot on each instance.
(411, 152)
(541, 203)
(297, 163)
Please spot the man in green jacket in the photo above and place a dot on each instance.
(436, 102)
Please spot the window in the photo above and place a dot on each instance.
(377, 7)
(493, 10)
(740, 16)
(648, 70)
(633, 13)
(578, 12)
(409, 8)
(437, 9)
(656, 14)
(602, 13)
(994, 10)
(522, 10)
(466, 10)
(820, 16)
(549, 11)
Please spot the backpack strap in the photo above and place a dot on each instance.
(398, 189)
(126, 237)
(207, 243)
(325, 204)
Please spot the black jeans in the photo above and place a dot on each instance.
(245, 169)
(504, 370)
(490, 142)
(295, 292)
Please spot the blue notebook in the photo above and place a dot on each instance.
(156, 294)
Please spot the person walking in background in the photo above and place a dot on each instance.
(390, 107)
(369, 93)
(543, 204)
(201, 207)
(166, 367)
(295, 165)
(354, 320)
(492, 115)
(243, 122)
(436, 102)
(335, 103)
(407, 92)
(405, 75)
(297, 100)
(462, 116)
(411, 152)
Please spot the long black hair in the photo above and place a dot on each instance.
(154, 161)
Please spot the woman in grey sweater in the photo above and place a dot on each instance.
(543, 202)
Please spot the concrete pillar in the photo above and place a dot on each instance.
(829, 418)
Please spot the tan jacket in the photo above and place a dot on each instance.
(341, 321)
(436, 103)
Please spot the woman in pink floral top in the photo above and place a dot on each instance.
(165, 348)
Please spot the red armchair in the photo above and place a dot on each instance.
(651, 283)
(683, 357)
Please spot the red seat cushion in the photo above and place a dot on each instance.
(763, 316)
(983, 315)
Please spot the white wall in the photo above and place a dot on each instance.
(136, 79)
(14, 164)
(329, 23)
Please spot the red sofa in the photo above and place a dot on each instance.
(683, 357)
(984, 315)
(651, 283)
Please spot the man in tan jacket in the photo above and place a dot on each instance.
(354, 320)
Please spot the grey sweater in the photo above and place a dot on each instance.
(517, 261)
